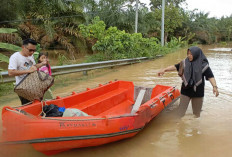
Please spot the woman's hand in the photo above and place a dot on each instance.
(170, 68)
(215, 91)
(161, 72)
(215, 88)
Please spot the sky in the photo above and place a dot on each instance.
(215, 8)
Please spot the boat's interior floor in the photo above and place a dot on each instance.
(100, 102)
(115, 102)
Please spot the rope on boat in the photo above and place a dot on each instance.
(15, 111)
(42, 111)
(19, 111)
(60, 119)
(105, 118)
(29, 103)
(25, 113)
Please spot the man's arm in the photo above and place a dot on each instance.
(14, 72)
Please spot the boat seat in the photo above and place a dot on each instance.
(138, 101)
(98, 105)
(122, 108)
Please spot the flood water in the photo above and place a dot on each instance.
(165, 136)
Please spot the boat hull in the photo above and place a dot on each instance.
(111, 119)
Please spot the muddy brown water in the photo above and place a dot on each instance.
(165, 136)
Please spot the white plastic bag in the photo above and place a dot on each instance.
(73, 112)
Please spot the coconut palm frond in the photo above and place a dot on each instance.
(33, 31)
(25, 28)
(46, 41)
(12, 38)
(65, 42)
(71, 30)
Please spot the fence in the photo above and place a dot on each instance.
(84, 67)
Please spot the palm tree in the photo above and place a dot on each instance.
(49, 22)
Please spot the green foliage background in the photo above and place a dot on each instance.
(57, 25)
(116, 44)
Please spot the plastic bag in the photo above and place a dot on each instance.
(73, 112)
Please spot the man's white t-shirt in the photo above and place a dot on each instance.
(20, 62)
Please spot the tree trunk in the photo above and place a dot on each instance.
(165, 38)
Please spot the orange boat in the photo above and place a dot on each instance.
(117, 110)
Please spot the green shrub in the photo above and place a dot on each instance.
(116, 44)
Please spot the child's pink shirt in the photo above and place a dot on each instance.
(45, 69)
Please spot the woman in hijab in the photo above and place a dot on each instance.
(193, 70)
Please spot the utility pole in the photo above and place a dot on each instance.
(136, 17)
(162, 26)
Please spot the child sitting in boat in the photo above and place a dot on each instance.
(46, 69)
